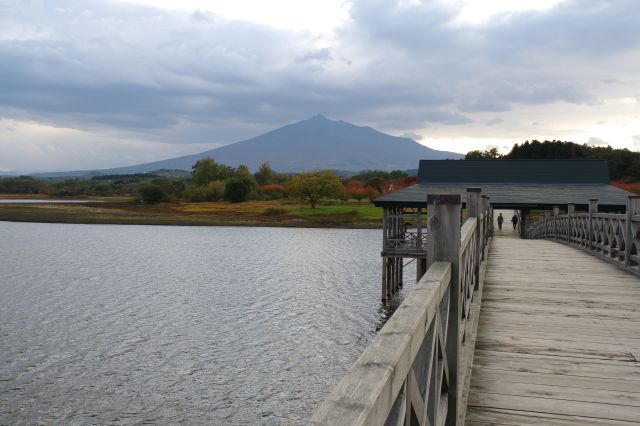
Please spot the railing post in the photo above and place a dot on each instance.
(571, 210)
(490, 211)
(633, 208)
(443, 244)
(556, 213)
(487, 218)
(473, 210)
(593, 208)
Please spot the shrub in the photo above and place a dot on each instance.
(213, 191)
(274, 211)
(237, 189)
(272, 191)
(153, 194)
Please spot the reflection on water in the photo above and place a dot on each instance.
(127, 324)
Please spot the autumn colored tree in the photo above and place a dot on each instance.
(314, 186)
(357, 193)
(372, 194)
(272, 191)
(377, 183)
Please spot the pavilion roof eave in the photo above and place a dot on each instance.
(504, 195)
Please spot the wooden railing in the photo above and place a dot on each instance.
(615, 237)
(415, 370)
(414, 241)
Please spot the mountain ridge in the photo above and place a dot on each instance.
(311, 144)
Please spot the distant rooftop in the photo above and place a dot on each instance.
(534, 184)
(514, 171)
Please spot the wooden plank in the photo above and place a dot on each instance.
(537, 375)
(557, 406)
(558, 339)
(569, 393)
(496, 416)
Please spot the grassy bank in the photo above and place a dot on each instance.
(253, 213)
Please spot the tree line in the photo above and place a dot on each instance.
(213, 181)
(624, 165)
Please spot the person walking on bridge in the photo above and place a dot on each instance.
(500, 220)
(514, 220)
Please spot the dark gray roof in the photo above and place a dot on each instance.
(543, 196)
(514, 183)
(514, 171)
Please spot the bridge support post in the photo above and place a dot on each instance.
(473, 210)
(633, 208)
(593, 208)
(443, 244)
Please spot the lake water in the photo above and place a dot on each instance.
(42, 200)
(200, 325)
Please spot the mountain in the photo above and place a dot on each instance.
(316, 143)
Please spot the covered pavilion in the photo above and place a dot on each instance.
(527, 186)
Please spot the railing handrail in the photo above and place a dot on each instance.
(612, 236)
(420, 360)
(368, 391)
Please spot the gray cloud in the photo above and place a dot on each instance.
(597, 141)
(193, 78)
(412, 135)
(321, 55)
(494, 121)
(636, 139)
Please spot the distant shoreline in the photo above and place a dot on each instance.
(250, 214)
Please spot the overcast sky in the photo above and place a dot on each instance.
(92, 84)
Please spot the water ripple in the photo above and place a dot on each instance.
(142, 324)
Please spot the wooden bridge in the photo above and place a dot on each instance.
(502, 330)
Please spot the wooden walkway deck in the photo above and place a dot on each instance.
(558, 341)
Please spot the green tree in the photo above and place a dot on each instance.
(487, 154)
(214, 191)
(265, 174)
(207, 170)
(153, 194)
(236, 189)
(242, 172)
(178, 188)
(315, 186)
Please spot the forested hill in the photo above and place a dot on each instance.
(624, 165)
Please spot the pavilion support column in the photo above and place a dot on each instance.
(473, 210)
(383, 293)
(633, 208)
(593, 208)
(443, 245)
(524, 223)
